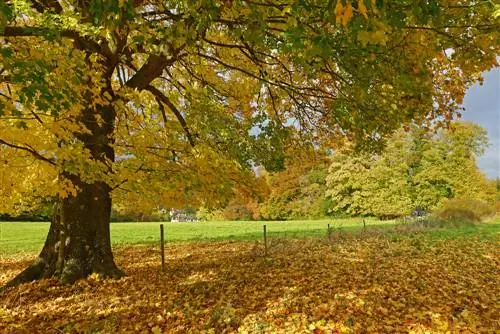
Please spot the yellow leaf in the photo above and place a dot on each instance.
(286, 10)
(496, 11)
(348, 12)
(339, 12)
(362, 9)
(373, 37)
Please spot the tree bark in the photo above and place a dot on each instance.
(85, 234)
(78, 242)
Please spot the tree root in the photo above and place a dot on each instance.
(72, 271)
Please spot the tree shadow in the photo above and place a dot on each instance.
(372, 284)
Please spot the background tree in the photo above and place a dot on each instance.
(298, 191)
(417, 169)
(245, 199)
(448, 168)
(139, 96)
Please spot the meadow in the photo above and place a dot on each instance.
(18, 237)
(385, 278)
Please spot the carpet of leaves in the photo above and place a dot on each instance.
(353, 284)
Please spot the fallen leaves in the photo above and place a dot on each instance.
(357, 284)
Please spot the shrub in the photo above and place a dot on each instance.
(421, 224)
(465, 209)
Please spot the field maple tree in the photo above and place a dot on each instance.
(107, 98)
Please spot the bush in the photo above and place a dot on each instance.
(421, 224)
(465, 209)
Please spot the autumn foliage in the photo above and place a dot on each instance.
(465, 209)
(161, 104)
(411, 283)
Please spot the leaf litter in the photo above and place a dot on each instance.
(410, 284)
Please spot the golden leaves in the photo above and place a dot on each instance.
(339, 12)
(379, 34)
(496, 11)
(373, 37)
(414, 284)
(362, 9)
(348, 12)
(344, 14)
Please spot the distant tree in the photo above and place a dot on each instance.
(245, 202)
(299, 190)
(417, 169)
(242, 209)
(497, 195)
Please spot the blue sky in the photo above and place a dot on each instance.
(482, 106)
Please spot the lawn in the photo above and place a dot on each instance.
(18, 237)
(381, 280)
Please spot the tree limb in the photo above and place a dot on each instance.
(160, 96)
(84, 43)
(30, 150)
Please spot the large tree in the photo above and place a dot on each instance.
(417, 169)
(104, 98)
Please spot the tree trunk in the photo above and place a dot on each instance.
(78, 242)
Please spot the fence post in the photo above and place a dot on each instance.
(329, 233)
(364, 224)
(265, 240)
(162, 246)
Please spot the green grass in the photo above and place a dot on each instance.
(29, 237)
(18, 237)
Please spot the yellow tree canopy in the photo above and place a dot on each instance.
(178, 99)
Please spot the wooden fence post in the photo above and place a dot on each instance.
(329, 233)
(265, 240)
(162, 245)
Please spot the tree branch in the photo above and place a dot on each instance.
(152, 69)
(148, 72)
(47, 5)
(84, 43)
(160, 96)
(30, 150)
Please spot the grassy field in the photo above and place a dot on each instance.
(29, 237)
(391, 279)
(16, 237)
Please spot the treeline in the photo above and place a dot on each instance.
(417, 172)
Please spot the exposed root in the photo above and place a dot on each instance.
(72, 271)
(37, 270)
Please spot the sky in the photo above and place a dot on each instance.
(482, 106)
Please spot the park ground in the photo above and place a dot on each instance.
(385, 278)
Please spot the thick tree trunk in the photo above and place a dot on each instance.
(78, 242)
(85, 235)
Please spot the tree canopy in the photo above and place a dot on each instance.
(416, 170)
(298, 192)
(204, 74)
(176, 100)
